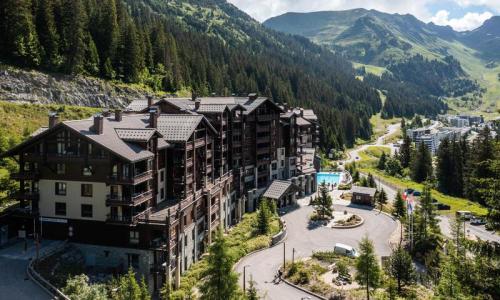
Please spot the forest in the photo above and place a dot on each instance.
(163, 46)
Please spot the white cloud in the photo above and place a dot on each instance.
(264, 9)
(468, 22)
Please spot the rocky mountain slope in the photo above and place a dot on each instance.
(18, 85)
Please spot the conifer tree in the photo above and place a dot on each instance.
(401, 267)
(382, 161)
(323, 203)
(371, 181)
(221, 281)
(48, 35)
(399, 209)
(445, 168)
(74, 40)
(367, 268)
(405, 152)
(421, 166)
(252, 293)
(264, 217)
(382, 198)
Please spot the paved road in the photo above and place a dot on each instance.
(478, 231)
(14, 283)
(262, 266)
(354, 153)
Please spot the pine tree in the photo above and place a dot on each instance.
(405, 152)
(445, 168)
(421, 166)
(20, 36)
(74, 35)
(48, 35)
(144, 290)
(382, 161)
(371, 181)
(128, 288)
(252, 293)
(426, 224)
(323, 203)
(401, 267)
(399, 209)
(367, 268)
(221, 281)
(264, 217)
(382, 199)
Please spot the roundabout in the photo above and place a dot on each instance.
(304, 239)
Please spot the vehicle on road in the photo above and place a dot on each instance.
(464, 214)
(357, 157)
(346, 250)
(477, 221)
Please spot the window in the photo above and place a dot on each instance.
(275, 166)
(162, 176)
(60, 209)
(282, 163)
(133, 260)
(86, 190)
(89, 149)
(61, 188)
(162, 193)
(114, 171)
(87, 171)
(134, 237)
(61, 169)
(86, 211)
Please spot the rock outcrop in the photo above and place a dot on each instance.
(18, 85)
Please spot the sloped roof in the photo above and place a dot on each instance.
(278, 189)
(135, 134)
(137, 105)
(38, 131)
(302, 122)
(364, 190)
(178, 128)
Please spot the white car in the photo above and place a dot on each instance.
(346, 250)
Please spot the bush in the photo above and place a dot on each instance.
(326, 256)
(345, 187)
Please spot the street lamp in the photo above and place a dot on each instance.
(244, 277)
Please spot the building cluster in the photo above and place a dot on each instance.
(461, 120)
(432, 136)
(148, 186)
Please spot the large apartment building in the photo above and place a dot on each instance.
(148, 186)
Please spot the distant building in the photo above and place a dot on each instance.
(363, 195)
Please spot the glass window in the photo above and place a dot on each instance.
(61, 169)
(87, 171)
(86, 190)
(60, 209)
(61, 188)
(86, 211)
(162, 176)
(134, 237)
(133, 260)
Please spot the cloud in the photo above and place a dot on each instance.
(468, 22)
(491, 4)
(264, 9)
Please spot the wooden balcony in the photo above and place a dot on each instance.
(137, 179)
(113, 200)
(265, 117)
(199, 142)
(262, 128)
(25, 175)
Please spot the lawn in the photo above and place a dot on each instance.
(368, 160)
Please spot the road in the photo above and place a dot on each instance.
(262, 266)
(14, 283)
(471, 230)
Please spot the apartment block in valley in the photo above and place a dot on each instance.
(148, 186)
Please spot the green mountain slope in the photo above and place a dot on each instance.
(392, 41)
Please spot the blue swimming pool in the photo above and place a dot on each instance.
(328, 177)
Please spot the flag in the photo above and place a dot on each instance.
(410, 205)
(405, 195)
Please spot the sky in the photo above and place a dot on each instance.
(462, 15)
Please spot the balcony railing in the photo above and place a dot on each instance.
(128, 220)
(112, 200)
(266, 117)
(262, 128)
(138, 178)
(199, 142)
(30, 196)
(25, 175)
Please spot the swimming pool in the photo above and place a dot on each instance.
(328, 177)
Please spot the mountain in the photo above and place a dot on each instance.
(175, 47)
(460, 67)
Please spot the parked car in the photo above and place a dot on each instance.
(477, 221)
(417, 193)
(346, 250)
(464, 214)
(441, 206)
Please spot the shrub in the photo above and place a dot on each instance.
(345, 187)
(326, 256)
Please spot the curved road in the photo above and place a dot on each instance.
(262, 266)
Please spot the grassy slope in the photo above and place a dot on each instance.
(369, 159)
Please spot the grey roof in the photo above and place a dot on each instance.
(364, 190)
(178, 128)
(277, 189)
(110, 140)
(38, 131)
(135, 134)
(137, 105)
(302, 122)
(307, 114)
(287, 114)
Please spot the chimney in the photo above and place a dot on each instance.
(197, 104)
(105, 112)
(53, 119)
(193, 96)
(153, 118)
(252, 96)
(150, 100)
(98, 124)
(301, 112)
(118, 115)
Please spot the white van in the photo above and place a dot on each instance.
(345, 250)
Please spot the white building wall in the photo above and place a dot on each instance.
(73, 200)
